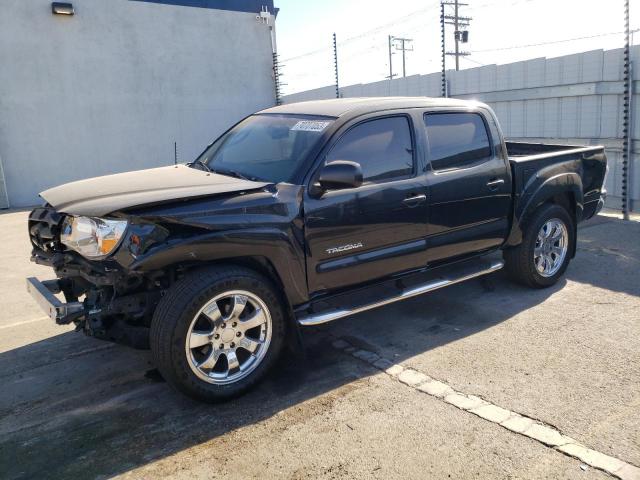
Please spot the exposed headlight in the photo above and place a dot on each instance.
(92, 237)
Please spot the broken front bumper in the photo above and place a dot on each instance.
(43, 293)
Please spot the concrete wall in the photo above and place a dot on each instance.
(572, 99)
(112, 87)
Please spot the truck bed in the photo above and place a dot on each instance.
(530, 161)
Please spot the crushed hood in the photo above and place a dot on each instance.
(102, 195)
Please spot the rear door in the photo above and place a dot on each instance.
(469, 183)
(360, 234)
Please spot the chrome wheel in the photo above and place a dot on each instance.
(229, 337)
(551, 247)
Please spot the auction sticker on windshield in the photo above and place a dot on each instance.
(310, 125)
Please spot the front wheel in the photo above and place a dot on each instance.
(217, 332)
(544, 254)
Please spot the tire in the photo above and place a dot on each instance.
(207, 313)
(525, 261)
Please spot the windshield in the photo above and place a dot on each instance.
(265, 147)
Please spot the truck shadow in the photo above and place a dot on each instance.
(74, 407)
(609, 254)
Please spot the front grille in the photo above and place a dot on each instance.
(44, 229)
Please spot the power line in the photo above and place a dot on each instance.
(376, 47)
(368, 33)
(409, 16)
(474, 61)
(513, 47)
(501, 4)
(308, 54)
(375, 36)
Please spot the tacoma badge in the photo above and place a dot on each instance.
(344, 248)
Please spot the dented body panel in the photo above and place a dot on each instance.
(265, 224)
(108, 194)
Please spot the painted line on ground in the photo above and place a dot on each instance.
(17, 324)
(512, 421)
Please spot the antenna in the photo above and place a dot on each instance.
(175, 153)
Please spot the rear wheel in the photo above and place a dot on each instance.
(217, 332)
(543, 256)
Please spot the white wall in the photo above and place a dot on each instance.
(571, 99)
(112, 87)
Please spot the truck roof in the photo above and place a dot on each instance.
(338, 107)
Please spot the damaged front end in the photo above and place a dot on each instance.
(103, 298)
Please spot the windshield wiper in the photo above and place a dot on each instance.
(200, 165)
(234, 173)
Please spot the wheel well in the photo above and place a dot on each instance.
(263, 266)
(567, 201)
(258, 264)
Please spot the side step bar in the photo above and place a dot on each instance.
(428, 286)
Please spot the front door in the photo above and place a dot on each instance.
(360, 234)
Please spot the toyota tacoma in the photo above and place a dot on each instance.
(303, 214)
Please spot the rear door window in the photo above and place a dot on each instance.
(456, 140)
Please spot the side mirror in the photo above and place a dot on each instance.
(339, 175)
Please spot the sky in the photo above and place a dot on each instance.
(501, 31)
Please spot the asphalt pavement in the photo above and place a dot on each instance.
(567, 357)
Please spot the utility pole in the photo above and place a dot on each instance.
(403, 47)
(460, 36)
(400, 45)
(335, 63)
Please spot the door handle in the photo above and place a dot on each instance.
(414, 200)
(495, 183)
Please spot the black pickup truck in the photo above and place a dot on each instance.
(302, 214)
